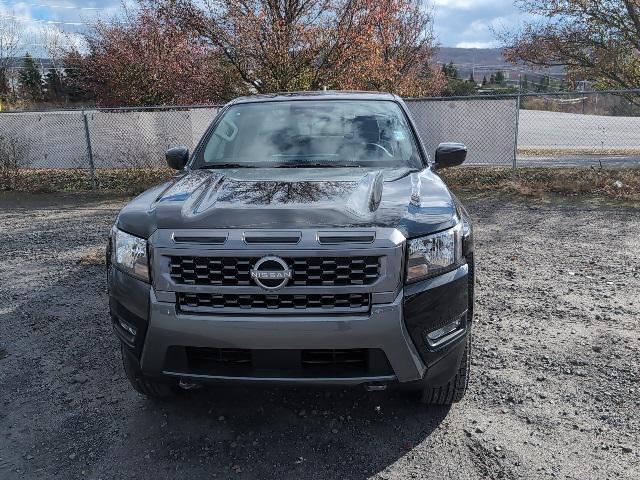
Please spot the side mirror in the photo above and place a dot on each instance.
(177, 157)
(450, 155)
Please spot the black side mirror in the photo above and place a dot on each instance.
(450, 155)
(177, 157)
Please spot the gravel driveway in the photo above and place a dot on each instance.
(555, 379)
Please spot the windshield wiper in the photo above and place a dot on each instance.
(226, 165)
(317, 165)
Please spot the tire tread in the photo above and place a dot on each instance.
(455, 390)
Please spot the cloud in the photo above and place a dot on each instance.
(37, 20)
(477, 45)
(472, 22)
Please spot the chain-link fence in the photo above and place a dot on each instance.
(101, 138)
(566, 129)
(561, 129)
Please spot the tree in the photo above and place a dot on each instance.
(471, 79)
(397, 56)
(499, 78)
(10, 42)
(310, 44)
(76, 81)
(30, 80)
(54, 88)
(449, 70)
(593, 40)
(484, 81)
(147, 58)
(492, 79)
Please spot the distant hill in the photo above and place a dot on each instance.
(471, 56)
(485, 61)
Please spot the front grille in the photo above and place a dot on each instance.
(204, 302)
(311, 271)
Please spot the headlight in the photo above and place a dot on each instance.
(129, 254)
(434, 254)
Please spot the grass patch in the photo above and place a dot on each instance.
(128, 181)
(623, 184)
(562, 152)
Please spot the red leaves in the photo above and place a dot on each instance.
(180, 51)
(148, 59)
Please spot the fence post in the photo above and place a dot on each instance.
(87, 137)
(515, 141)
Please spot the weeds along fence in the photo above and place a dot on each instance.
(568, 129)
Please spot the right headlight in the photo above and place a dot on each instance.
(434, 254)
(129, 254)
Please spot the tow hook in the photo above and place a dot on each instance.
(375, 387)
(188, 385)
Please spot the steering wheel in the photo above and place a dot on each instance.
(387, 152)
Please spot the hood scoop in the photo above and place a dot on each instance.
(366, 198)
(204, 196)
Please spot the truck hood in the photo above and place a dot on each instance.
(416, 203)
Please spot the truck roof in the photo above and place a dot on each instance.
(315, 95)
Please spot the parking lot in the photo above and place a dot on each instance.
(555, 378)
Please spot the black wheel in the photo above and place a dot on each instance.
(453, 391)
(144, 385)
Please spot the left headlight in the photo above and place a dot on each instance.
(129, 254)
(434, 254)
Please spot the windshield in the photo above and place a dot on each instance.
(325, 133)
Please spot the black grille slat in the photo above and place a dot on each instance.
(307, 272)
(279, 363)
(215, 301)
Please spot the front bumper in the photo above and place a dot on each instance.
(394, 328)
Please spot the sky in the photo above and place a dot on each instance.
(457, 23)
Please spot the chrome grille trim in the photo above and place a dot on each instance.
(387, 246)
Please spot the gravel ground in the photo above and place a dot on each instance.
(554, 389)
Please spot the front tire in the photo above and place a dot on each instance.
(455, 390)
(144, 385)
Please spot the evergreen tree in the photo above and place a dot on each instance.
(450, 71)
(499, 78)
(471, 79)
(75, 80)
(484, 81)
(30, 80)
(54, 86)
(492, 79)
(525, 83)
(5, 88)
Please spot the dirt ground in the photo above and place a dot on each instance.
(554, 390)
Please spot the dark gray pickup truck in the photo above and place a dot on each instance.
(306, 240)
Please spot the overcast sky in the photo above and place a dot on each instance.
(458, 23)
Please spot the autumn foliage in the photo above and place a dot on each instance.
(184, 51)
(147, 58)
(593, 39)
